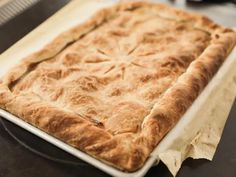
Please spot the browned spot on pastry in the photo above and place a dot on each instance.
(87, 83)
(175, 62)
(71, 58)
(52, 73)
(147, 77)
(115, 92)
(152, 92)
(122, 20)
(95, 59)
(80, 99)
(59, 123)
(66, 72)
(119, 32)
(204, 72)
(180, 27)
(86, 137)
(162, 122)
(217, 36)
(133, 113)
(123, 72)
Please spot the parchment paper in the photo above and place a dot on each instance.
(201, 135)
(214, 112)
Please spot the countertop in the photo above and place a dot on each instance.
(17, 161)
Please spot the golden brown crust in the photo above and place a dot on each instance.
(118, 110)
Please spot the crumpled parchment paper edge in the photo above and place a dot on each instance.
(214, 112)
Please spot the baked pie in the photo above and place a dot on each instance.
(115, 85)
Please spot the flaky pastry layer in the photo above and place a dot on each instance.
(115, 85)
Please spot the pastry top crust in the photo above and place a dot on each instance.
(116, 84)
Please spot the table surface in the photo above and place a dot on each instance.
(17, 161)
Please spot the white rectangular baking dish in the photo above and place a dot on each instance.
(82, 10)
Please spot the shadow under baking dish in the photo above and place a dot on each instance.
(39, 146)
